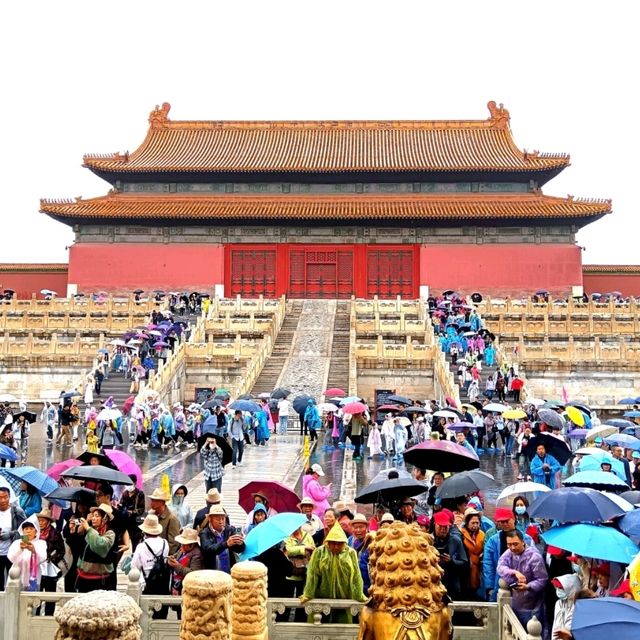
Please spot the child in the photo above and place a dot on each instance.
(28, 553)
(259, 515)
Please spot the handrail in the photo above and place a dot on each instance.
(353, 360)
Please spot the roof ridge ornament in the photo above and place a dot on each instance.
(498, 115)
(159, 117)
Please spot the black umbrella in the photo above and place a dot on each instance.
(464, 483)
(74, 494)
(410, 410)
(85, 458)
(550, 417)
(97, 473)
(476, 297)
(227, 454)
(214, 402)
(300, 403)
(29, 416)
(631, 496)
(554, 447)
(245, 396)
(280, 393)
(71, 394)
(390, 490)
(138, 291)
(399, 400)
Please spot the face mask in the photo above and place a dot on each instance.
(130, 488)
(521, 510)
(575, 567)
(178, 499)
(561, 593)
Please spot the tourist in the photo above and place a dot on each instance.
(236, 433)
(374, 521)
(473, 540)
(388, 435)
(311, 488)
(104, 495)
(436, 480)
(400, 436)
(132, 505)
(406, 511)
(333, 573)
(453, 557)
(544, 467)
(11, 517)
(461, 440)
(345, 516)
(213, 471)
(49, 417)
(64, 435)
(374, 441)
(200, 520)
(618, 453)
(284, 406)
(279, 569)
(359, 542)
(150, 558)
(180, 507)
(28, 553)
(523, 569)
(98, 560)
(219, 541)
(55, 554)
(262, 426)
(169, 522)
(311, 419)
(520, 508)
(386, 520)
(188, 558)
(567, 589)
(486, 524)
(329, 518)
(258, 515)
(489, 387)
(30, 500)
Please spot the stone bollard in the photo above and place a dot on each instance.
(249, 601)
(206, 606)
(99, 615)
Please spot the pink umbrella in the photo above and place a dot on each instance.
(55, 470)
(354, 407)
(128, 403)
(125, 463)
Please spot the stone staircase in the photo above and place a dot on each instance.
(117, 386)
(270, 374)
(340, 347)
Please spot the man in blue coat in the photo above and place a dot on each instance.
(544, 467)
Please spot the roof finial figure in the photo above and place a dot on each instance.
(159, 116)
(498, 114)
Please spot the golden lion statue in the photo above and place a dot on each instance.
(407, 599)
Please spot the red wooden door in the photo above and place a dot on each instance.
(320, 272)
(390, 272)
(253, 272)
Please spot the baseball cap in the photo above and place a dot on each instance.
(502, 513)
(442, 518)
(316, 468)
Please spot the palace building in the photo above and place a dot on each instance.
(327, 209)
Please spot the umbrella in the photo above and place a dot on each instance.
(587, 451)
(446, 413)
(326, 407)
(71, 394)
(596, 480)
(39, 480)
(160, 344)
(227, 454)
(554, 446)
(383, 474)
(594, 461)
(414, 409)
(521, 489)
(462, 484)
(103, 350)
(476, 297)
(118, 343)
(270, 532)
(7, 397)
(280, 497)
(628, 401)
(571, 504)
(602, 431)
(7, 453)
(552, 404)
(300, 403)
(264, 395)
(125, 463)
(97, 473)
(354, 407)
(619, 423)
(245, 405)
(85, 458)
(597, 617)
(579, 405)
(388, 407)
(108, 414)
(128, 403)
(553, 419)
(514, 414)
(394, 399)
(209, 404)
(223, 392)
(630, 525)
(495, 407)
(11, 480)
(280, 393)
(624, 440)
(459, 426)
(578, 434)
(631, 496)
(575, 415)
(389, 490)
(349, 399)
(592, 541)
(404, 421)
(73, 494)
(334, 392)
(441, 455)
(55, 471)
(631, 414)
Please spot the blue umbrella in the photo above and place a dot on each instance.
(631, 414)
(577, 434)
(595, 618)
(39, 480)
(592, 541)
(7, 453)
(630, 525)
(245, 405)
(11, 479)
(592, 463)
(350, 399)
(619, 423)
(624, 440)
(270, 532)
(73, 394)
(596, 480)
(573, 504)
(210, 425)
(628, 401)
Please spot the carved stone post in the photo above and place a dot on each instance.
(109, 615)
(534, 629)
(206, 606)
(249, 601)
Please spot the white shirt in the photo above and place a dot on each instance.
(143, 559)
(5, 525)
(283, 407)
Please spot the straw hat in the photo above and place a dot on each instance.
(213, 496)
(341, 507)
(336, 534)
(159, 494)
(217, 510)
(45, 513)
(105, 508)
(387, 517)
(306, 501)
(359, 518)
(260, 494)
(151, 525)
(188, 536)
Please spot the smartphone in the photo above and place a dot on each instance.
(238, 531)
(25, 539)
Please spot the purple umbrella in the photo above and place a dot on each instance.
(441, 455)
(459, 426)
(578, 434)
(160, 344)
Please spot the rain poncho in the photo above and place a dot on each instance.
(180, 507)
(311, 488)
(29, 562)
(542, 476)
(563, 613)
(311, 416)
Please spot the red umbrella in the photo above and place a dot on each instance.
(128, 403)
(442, 455)
(354, 407)
(55, 470)
(388, 407)
(334, 393)
(280, 498)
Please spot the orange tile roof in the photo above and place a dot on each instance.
(60, 267)
(327, 146)
(631, 269)
(481, 206)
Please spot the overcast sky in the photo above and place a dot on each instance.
(81, 77)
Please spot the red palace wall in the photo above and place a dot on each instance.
(509, 269)
(27, 283)
(124, 267)
(627, 284)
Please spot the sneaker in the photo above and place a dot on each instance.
(239, 464)
(233, 466)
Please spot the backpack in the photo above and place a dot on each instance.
(157, 579)
(64, 564)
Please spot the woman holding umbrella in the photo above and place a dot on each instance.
(312, 419)
(30, 500)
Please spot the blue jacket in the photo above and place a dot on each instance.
(539, 475)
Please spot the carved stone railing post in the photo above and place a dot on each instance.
(12, 603)
(108, 615)
(249, 601)
(206, 606)
(534, 629)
